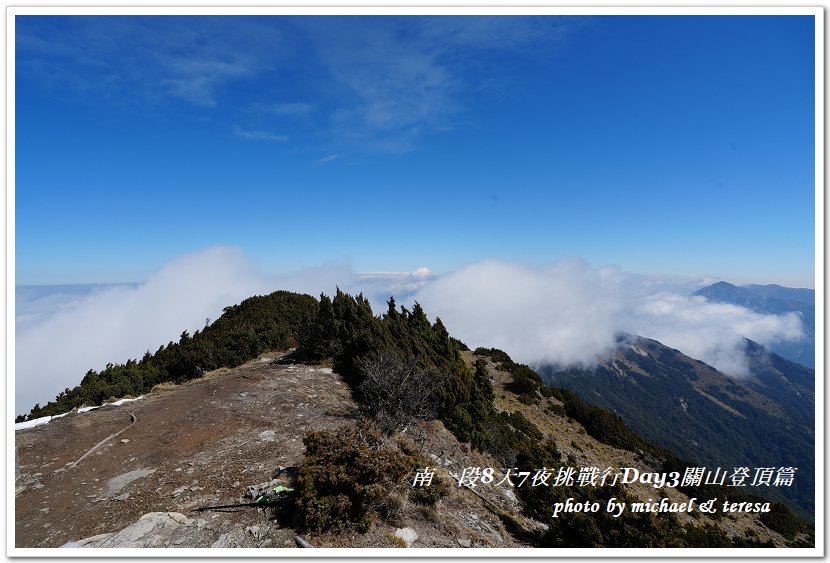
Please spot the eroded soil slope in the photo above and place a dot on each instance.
(202, 443)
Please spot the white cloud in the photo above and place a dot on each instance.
(117, 323)
(63, 332)
(711, 332)
(382, 82)
(147, 58)
(569, 313)
(398, 79)
(565, 312)
(557, 313)
(294, 109)
(378, 287)
(327, 159)
(257, 135)
(196, 80)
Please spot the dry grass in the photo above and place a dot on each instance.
(167, 385)
(395, 540)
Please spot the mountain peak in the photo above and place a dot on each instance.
(723, 291)
(773, 300)
(723, 284)
(702, 413)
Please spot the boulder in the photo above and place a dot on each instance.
(155, 529)
(408, 535)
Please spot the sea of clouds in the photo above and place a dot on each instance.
(567, 312)
(570, 312)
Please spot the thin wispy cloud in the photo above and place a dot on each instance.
(399, 79)
(295, 109)
(381, 83)
(196, 80)
(327, 159)
(257, 135)
(498, 33)
(144, 59)
(400, 90)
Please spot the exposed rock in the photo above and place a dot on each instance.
(281, 537)
(234, 538)
(173, 529)
(408, 535)
(119, 482)
(224, 443)
(256, 491)
(156, 529)
(301, 542)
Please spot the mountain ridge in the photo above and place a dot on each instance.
(240, 428)
(353, 475)
(773, 300)
(690, 407)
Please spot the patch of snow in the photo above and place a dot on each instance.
(122, 401)
(43, 420)
(32, 423)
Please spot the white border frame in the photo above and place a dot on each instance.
(462, 7)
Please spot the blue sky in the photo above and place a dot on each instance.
(670, 145)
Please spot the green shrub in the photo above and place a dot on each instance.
(345, 477)
(555, 409)
(519, 422)
(350, 475)
(429, 496)
(781, 519)
(498, 356)
(257, 324)
(525, 380)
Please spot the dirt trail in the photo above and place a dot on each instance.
(192, 445)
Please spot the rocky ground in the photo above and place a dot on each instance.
(199, 444)
(206, 443)
(134, 475)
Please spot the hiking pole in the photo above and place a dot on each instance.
(238, 505)
(264, 500)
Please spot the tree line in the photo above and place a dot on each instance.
(243, 332)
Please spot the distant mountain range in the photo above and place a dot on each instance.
(765, 420)
(775, 300)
